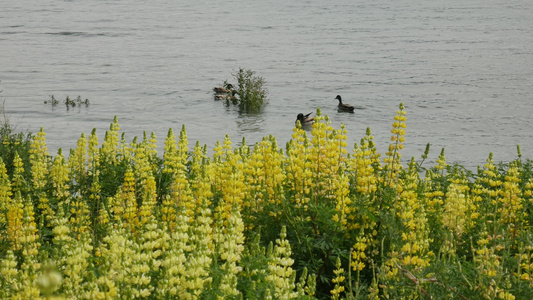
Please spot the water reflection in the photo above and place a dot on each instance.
(250, 123)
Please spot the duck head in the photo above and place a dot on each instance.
(304, 119)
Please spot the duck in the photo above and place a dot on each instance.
(305, 119)
(342, 106)
(229, 96)
(223, 89)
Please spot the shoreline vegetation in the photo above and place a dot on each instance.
(114, 219)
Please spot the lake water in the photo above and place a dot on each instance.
(463, 69)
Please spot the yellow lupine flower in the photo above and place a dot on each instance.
(79, 218)
(230, 239)
(343, 201)
(9, 272)
(231, 175)
(264, 174)
(75, 258)
(128, 200)
(363, 167)
(125, 151)
(391, 265)
(202, 172)
(39, 159)
(199, 259)
(168, 212)
(255, 176)
(441, 161)
(172, 281)
(528, 191)
(59, 174)
(415, 250)
(14, 216)
(29, 238)
(511, 208)
(170, 159)
(40, 163)
(488, 263)
(506, 296)
(94, 153)
(93, 170)
(152, 148)
(392, 160)
(297, 171)
(117, 252)
(145, 178)
(458, 208)
(174, 166)
(338, 280)
(281, 274)
(77, 161)
(434, 195)
(325, 157)
(111, 143)
(358, 252)
(364, 163)
(5, 196)
(145, 259)
(490, 179)
(525, 259)
(183, 146)
(181, 193)
(61, 228)
(18, 182)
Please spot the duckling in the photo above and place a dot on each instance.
(229, 96)
(223, 89)
(342, 106)
(305, 119)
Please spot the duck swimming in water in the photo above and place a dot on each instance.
(230, 96)
(342, 106)
(227, 88)
(305, 119)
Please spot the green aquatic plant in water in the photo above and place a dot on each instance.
(251, 91)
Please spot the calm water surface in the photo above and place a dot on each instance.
(464, 69)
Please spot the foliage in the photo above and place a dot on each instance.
(117, 220)
(251, 90)
(13, 142)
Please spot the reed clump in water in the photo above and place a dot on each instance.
(251, 90)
